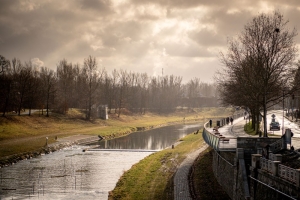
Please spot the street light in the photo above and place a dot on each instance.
(282, 112)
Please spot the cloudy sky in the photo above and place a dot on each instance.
(179, 37)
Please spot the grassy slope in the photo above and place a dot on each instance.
(151, 177)
(27, 133)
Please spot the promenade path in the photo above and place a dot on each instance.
(181, 183)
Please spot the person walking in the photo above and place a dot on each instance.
(231, 120)
(210, 123)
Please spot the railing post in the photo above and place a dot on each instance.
(275, 167)
(255, 160)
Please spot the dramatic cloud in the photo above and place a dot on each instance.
(177, 37)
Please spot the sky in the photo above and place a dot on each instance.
(159, 37)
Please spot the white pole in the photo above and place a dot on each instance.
(282, 112)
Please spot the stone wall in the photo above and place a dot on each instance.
(271, 180)
(224, 172)
(231, 171)
(251, 145)
(266, 186)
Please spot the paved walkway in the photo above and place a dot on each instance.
(181, 184)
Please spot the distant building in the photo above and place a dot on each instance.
(102, 112)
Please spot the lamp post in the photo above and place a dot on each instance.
(282, 112)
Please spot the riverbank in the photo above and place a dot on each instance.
(22, 137)
(152, 178)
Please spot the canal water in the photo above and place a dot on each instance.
(154, 139)
(72, 173)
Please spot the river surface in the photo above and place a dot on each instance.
(72, 173)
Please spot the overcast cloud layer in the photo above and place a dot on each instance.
(179, 37)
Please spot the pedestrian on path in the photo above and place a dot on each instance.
(210, 123)
(231, 120)
(227, 120)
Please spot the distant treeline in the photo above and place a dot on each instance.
(25, 85)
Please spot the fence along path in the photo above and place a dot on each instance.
(224, 138)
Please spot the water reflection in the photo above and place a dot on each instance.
(155, 139)
(66, 174)
(74, 174)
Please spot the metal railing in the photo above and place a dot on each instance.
(276, 146)
(266, 164)
(282, 193)
(288, 173)
(284, 172)
(211, 139)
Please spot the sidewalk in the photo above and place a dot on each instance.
(238, 128)
(181, 183)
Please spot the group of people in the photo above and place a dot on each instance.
(228, 119)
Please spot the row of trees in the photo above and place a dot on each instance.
(260, 69)
(25, 85)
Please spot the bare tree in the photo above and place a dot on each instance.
(48, 78)
(22, 76)
(4, 64)
(6, 84)
(144, 84)
(260, 61)
(93, 78)
(193, 91)
(65, 85)
(124, 81)
(33, 94)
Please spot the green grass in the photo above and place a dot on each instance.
(20, 134)
(152, 177)
(149, 179)
(249, 130)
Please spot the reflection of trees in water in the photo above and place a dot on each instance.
(154, 139)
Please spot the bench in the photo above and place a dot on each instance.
(216, 128)
(223, 139)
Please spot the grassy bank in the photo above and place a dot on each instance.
(27, 133)
(248, 129)
(152, 177)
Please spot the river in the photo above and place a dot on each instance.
(72, 173)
